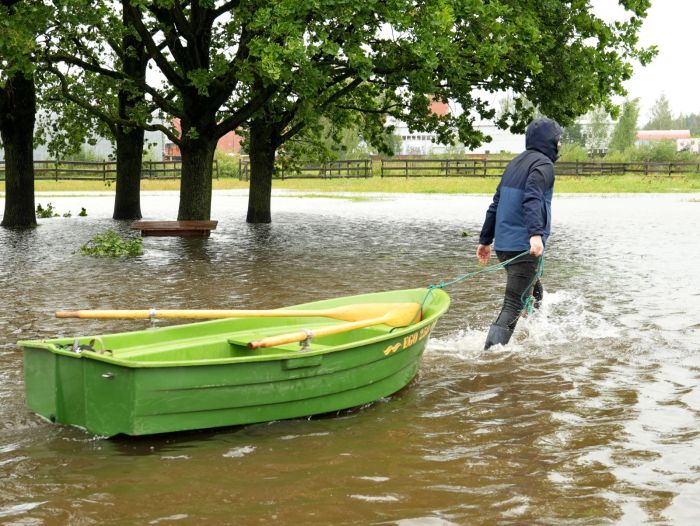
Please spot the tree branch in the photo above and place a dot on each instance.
(224, 8)
(154, 50)
(109, 120)
(244, 113)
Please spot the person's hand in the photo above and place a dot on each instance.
(483, 252)
(536, 246)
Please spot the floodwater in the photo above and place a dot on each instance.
(591, 416)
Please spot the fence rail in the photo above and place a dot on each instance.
(442, 167)
(102, 170)
(633, 168)
(332, 170)
(495, 167)
(364, 168)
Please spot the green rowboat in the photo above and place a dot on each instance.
(231, 371)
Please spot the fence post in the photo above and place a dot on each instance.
(55, 167)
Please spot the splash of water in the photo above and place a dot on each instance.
(565, 317)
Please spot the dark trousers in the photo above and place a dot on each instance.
(520, 274)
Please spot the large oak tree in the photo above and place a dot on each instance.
(381, 58)
(97, 65)
(20, 24)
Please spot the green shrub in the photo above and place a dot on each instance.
(657, 151)
(228, 165)
(573, 152)
(109, 244)
(617, 156)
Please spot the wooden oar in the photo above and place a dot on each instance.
(354, 312)
(404, 314)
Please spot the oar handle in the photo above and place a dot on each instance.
(67, 314)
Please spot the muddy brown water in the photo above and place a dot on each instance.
(591, 416)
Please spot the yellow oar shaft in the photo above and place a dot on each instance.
(185, 313)
(355, 312)
(300, 336)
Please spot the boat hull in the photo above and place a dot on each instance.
(141, 389)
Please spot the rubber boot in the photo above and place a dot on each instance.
(497, 335)
(538, 293)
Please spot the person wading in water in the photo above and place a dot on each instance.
(519, 219)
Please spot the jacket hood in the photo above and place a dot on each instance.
(543, 135)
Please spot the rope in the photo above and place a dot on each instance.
(526, 298)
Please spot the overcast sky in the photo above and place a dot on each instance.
(674, 27)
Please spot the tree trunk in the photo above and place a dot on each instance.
(195, 183)
(127, 201)
(262, 163)
(17, 116)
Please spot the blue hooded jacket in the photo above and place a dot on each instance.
(522, 204)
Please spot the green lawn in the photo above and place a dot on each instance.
(425, 185)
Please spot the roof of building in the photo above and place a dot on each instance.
(657, 135)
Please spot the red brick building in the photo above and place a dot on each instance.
(228, 144)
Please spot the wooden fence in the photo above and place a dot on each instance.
(364, 168)
(102, 170)
(495, 167)
(333, 170)
(442, 167)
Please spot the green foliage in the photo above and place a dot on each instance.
(85, 154)
(614, 156)
(574, 135)
(661, 116)
(45, 213)
(624, 134)
(229, 165)
(21, 23)
(573, 152)
(49, 211)
(292, 62)
(655, 151)
(688, 122)
(110, 244)
(659, 151)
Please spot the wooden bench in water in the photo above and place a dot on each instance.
(175, 228)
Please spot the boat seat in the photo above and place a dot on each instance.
(242, 346)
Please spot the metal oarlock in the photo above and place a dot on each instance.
(152, 314)
(305, 344)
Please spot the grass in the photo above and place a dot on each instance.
(422, 185)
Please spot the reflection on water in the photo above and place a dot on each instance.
(590, 416)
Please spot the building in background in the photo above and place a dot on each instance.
(426, 143)
(229, 144)
(688, 145)
(682, 138)
(103, 150)
(647, 136)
